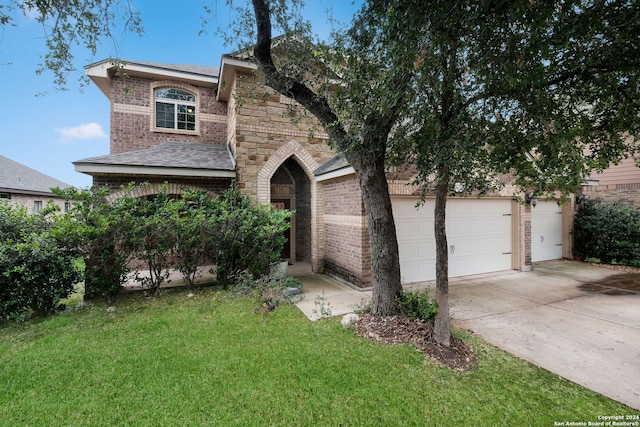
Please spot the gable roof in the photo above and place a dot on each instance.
(101, 72)
(203, 70)
(169, 158)
(18, 178)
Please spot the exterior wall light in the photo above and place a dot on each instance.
(581, 198)
(531, 199)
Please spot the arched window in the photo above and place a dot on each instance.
(175, 109)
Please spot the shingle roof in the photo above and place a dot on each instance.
(18, 178)
(188, 155)
(336, 163)
(204, 70)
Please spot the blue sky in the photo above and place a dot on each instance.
(48, 132)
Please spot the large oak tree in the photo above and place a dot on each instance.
(541, 92)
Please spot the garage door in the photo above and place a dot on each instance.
(546, 231)
(478, 235)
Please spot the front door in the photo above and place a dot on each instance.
(284, 204)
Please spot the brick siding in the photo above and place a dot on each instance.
(214, 186)
(263, 125)
(627, 193)
(27, 201)
(132, 116)
(346, 241)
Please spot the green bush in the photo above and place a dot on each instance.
(609, 232)
(153, 237)
(37, 263)
(244, 237)
(192, 234)
(417, 305)
(164, 232)
(100, 232)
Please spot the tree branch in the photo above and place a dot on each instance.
(314, 103)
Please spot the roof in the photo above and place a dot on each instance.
(203, 70)
(18, 178)
(336, 163)
(169, 158)
(336, 167)
(101, 72)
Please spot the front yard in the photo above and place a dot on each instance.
(210, 360)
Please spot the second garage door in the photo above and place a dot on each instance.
(478, 236)
(546, 231)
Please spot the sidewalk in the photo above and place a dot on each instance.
(324, 296)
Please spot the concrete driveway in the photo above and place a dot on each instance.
(563, 316)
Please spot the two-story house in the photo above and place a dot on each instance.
(206, 127)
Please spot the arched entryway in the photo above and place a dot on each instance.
(287, 177)
(291, 189)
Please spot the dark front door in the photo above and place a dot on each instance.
(284, 204)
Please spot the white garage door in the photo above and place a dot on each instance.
(546, 231)
(478, 235)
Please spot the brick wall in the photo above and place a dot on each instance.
(303, 212)
(346, 243)
(215, 186)
(27, 201)
(628, 193)
(132, 115)
(264, 124)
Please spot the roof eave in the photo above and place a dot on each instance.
(100, 73)
(336, 174)
(228, 68)
(26, 192)
(111, 169)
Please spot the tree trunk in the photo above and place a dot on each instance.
(367, 161)
(442, 327)
(385, 259)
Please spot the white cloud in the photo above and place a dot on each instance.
(84, 131)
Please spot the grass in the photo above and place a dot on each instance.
(210, 360)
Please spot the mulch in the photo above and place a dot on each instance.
(402, 330)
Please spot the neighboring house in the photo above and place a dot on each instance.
(206, 127)
(22, 186)
(619, 182)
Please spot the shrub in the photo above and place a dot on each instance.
(153, 237)
(192, 233)
(609, 232)
(101, 233)
(244, 237)
(417, 305)
(38, 263)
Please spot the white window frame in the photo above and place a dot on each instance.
(37, 206)
(177, 104)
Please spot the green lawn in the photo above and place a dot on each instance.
(209, 360)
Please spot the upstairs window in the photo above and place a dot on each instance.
(175, 109)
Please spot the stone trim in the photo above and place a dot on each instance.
(291, 148)
(347, 220)
(213, 118)
(131, 109)
(308, 165)
(150, 190)
(280, 131)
